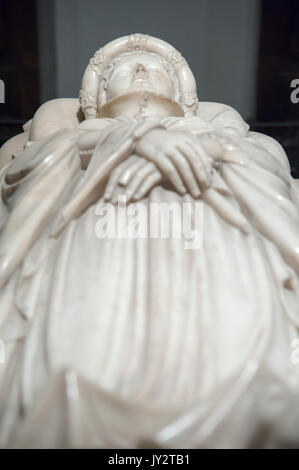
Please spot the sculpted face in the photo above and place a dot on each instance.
(140, 72)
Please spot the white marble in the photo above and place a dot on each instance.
(127, 341)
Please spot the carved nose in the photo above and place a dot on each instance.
(140, 71)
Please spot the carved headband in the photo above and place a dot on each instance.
(91, 100)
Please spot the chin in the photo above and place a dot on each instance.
(130, 104)
(146, 87)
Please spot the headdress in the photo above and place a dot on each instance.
(92, 97)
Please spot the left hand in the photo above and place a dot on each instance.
(133, 178)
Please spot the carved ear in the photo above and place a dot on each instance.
(55, 115)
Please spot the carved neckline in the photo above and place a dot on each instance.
(139, 104)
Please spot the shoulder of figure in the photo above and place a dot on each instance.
(272, 146)
(14, 146)
(55, 115)
(51, 117)
(222, 116)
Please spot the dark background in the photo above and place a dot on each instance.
(244, 53)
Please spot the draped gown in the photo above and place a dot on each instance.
(122, 341)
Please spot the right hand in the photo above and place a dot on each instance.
(180, 157)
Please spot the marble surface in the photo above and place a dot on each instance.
(127, 341)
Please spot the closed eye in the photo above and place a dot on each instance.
(121, 74)
(156, 73)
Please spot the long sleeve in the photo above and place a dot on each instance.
(262, 185)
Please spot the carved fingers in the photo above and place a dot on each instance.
(133, 178)
(152, 180)
(187, 161)
(163, 161)
(180, 157)
(200, 162)
(184, 169)
(149, 174)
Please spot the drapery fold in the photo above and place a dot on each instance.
(146, 321)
